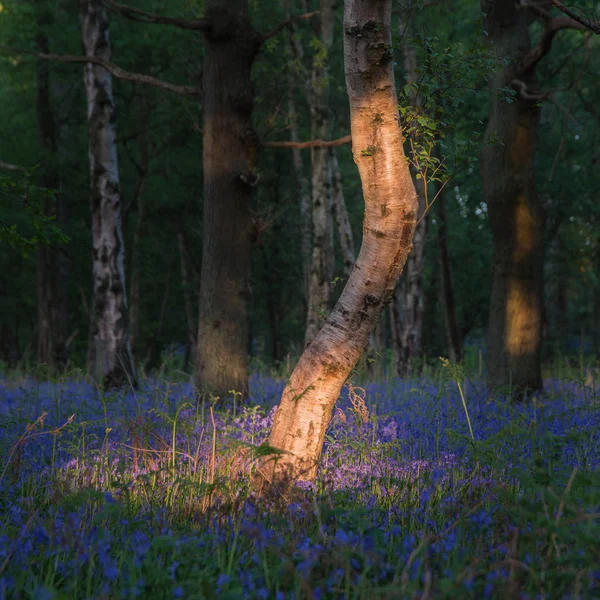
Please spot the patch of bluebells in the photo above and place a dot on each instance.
(406, 491)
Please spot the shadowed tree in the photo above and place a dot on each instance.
(321, 264)
(230, 147)
(516, 214)
(391, 207)
(51, 278)
(407, 307)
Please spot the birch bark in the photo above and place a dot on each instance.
(111, 353)
(391, 207)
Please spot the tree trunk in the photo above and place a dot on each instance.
(52, 333)
(391, 207)
(229, 151)
(407, 304)
(340, 213)
(111, 353)
(301, 179)
(138, 201)
(515, 211)
(455, 351)
(321, 267)
(189, 295)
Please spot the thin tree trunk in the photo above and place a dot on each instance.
(152, 359)
(562, 299)
(515, 211)
(301, 179)
(321, 267)
(340, 212)
(111, 352)
(229, 151)
(52, 334)
(391, 207)
(189, 290)
(134, 286)
(447, 284)
(407, 303)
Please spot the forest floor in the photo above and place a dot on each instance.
(427, 489)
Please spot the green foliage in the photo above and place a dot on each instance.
(28, 204)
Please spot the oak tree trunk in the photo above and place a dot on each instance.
(111, 353)
(321, 266)
(229, 151)
(515, 211)
(391, 206)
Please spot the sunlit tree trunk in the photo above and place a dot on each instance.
(391, 207)
(407, 303)
(321, 266)
(229, 151)
(111, 353)
(51, 293)
(455, 351)
(515, 211)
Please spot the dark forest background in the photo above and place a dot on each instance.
(160, 160)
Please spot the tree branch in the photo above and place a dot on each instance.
(119, 73)
(587, 23)
(11, 167)
(287, 23)
(545, 44)
(310, 144)
(135, 14)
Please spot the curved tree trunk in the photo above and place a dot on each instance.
(391, 206)
(321, 266)
(515, 211)
(229, 149)
(111, 353)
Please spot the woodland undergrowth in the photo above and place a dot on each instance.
(427, 488)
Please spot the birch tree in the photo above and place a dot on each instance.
(112, 363)
(391, 207)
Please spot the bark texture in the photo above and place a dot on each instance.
(111, 354)
(391, 208)
(51, 280)
(229, 150)
(515, 211)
